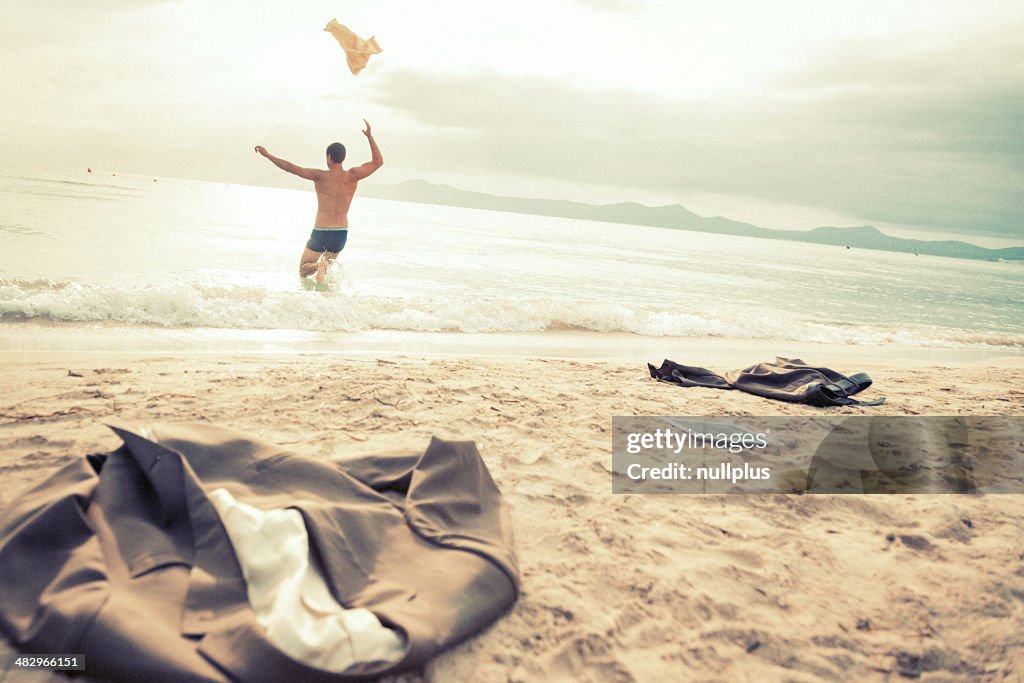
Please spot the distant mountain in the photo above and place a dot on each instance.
(677, 217)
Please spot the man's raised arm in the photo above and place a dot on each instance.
(307, 173)
(376, 160)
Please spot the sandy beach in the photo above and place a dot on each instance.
(350, 229)
(615, 588)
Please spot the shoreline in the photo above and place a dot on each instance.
(722, 353)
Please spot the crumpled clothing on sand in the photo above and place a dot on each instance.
(357, 50)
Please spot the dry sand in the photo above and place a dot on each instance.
(615, 588)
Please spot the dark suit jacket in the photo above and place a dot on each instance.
(786, 379)
(122, 556)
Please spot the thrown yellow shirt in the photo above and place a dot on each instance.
(357, 50)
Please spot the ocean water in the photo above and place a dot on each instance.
(127, 252)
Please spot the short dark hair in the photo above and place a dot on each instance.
(336, 151)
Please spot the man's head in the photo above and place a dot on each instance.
(336, 152)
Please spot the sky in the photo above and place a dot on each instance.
(788, 114)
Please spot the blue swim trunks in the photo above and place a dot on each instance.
(327, 239)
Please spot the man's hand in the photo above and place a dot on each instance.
(367, 132)
(260, 149)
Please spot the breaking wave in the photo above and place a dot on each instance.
(253, 307)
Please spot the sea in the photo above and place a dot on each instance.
(97, 260)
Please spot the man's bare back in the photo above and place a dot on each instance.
(335, 188)
(334, 191)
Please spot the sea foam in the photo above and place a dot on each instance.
(256, 307)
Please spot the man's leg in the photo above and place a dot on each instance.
(307, 265)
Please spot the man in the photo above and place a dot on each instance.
(335, 188)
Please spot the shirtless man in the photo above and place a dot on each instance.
(335, 188)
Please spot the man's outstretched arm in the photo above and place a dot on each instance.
(376, 160)
(307, 173)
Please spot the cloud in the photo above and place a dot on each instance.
(966, 98)
(899, 132)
